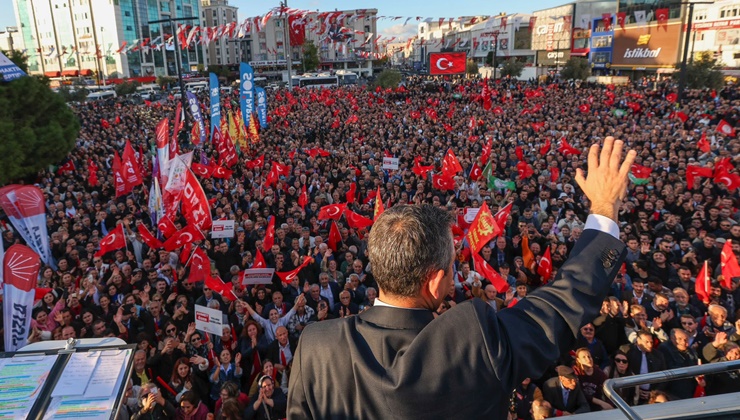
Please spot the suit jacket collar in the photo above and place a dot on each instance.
(397, 318)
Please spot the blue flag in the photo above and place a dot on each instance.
(261, 106)
(215, 103)
(246, 92)
(194, 106)
(9, 70)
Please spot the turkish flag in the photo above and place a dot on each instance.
(132, 172)
(379, 208)
(725, 164)
(731, 180)
(195, 205)
(422, 170)
(730, 267)
(703, 283)
(584, 108)
(115, 239)
(69, 166)
(221, 172)
(519, 153)
(442, 182)
(357, 221)
(166, 226)
(475, 172)
(671, 97)
(486, 152)
(472, 123)
(226, 151)
(502, 216)
(188, 234)
(661, 15)
(256, 163)
(200, 266)
(694, 171)
(335, 238)
(450, 164)
(447, 127)
(640, 171)
(350, 195)
(269, 240)
(303, 197)
(447, 63)
(498, 110)
(148, 238)
(606, 18)
(566, 149)
(483, 229)
(703, 144)
(545, 147)
(203, 171)
(259, 260)
(287, 276)
(332, 211)
(621, 17)
(725, 128)
(297, 26)
(524, 170)
(281, 169)
(545, 266)
(482, 267)
(554, 174)
(104, 123)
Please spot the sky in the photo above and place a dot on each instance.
(428, 8)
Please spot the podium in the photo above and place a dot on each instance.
(81, 379)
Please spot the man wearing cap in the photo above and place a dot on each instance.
(564, 393)
(397, 359)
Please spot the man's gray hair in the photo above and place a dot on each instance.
(408, 244)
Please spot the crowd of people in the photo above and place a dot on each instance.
(652, 321)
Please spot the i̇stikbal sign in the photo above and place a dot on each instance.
(648, 46)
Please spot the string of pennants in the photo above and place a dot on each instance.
(328, 26)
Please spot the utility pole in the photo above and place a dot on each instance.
(185, 133)
(687, 35)
(288, 50)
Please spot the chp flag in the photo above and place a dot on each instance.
(447, 63)
(20, 272)
(26, 209)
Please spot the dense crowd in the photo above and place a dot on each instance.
(652, 321)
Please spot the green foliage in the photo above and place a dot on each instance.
(388, 78)
(512, 68)
(471, 68)
(219, 70)
(489, 58)
(127, 88)
(163, 81)
(380, 63)
(37, 128)
(704, 72)
(310, 56)
(575, 68)
(75, 94)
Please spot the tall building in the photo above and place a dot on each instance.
(716, 28)
(111, 39)
(221, 51)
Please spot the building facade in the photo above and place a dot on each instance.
(109, 39)
(716, 29)
(221, 51)
(552, 36)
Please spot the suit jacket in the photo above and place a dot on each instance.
(396, 362)
(552, 392)
(655, 363)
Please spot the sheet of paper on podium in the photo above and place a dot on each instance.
(21, 380)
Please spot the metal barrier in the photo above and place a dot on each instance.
(611, 385)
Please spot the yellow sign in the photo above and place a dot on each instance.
(643, 39)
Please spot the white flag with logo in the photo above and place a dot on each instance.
(585, 20)
(640, 17)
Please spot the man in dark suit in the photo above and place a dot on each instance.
(396, 363)
(653, 361)
(281, 352)
(564, 393)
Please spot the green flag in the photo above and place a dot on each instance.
(620, 113)
(638, 181)
(500, 184)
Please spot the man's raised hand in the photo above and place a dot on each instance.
(606, 184)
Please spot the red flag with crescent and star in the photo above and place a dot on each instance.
(114, 240)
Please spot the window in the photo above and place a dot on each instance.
(129, 28)
(127, 13)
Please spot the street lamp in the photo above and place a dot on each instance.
(684, 59)
(10, 31)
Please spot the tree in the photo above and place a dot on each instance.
(388, 78)
(164, 81)
(489, 58)
(310, 56)
(37, 128)
(512, 68)
(219, 70)
(126, 88)
(471, 68)
(575, 68)
(704, 72)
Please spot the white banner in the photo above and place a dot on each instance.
(470, 213)
(257, 276)
(222, 229)
(390, 163)
(17, 308)
(208, 320)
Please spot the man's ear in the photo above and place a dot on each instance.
(435, 286)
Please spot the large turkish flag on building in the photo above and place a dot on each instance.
(447, 63)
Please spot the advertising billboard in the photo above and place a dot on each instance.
(647, 46)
